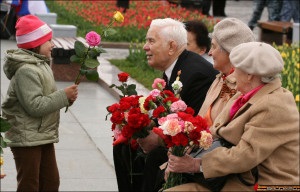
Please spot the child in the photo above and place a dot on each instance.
(32, 106)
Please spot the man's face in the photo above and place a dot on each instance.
(157, 50)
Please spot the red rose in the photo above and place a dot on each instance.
(138, 121)
(117, 117)
(123, 76)
(180, 139)
(168, 93)
(127, 131)
(190, 110)
(113, 108)
(124, 106)
(159, 112)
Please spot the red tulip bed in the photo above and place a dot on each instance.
(138, 17)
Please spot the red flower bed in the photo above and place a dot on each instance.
(139, 14)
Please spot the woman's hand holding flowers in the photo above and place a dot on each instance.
(184, 164)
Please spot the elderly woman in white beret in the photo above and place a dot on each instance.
(262, 125)
(227, 34)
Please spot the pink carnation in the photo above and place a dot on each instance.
(162, 120)
(188, 127)
(154, 93)
(206, 140)
(159, 84)
(93, 38)
(171, 127)
(178, 106)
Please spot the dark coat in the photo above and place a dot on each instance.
(197, 75)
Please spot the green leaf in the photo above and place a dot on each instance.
(100, 50)
(110, 31)
(6, 140)
(76, 59)
(131, 89)
(92, 75)
(93, 53)
(3, 144)
(83, 71)
(4, 126)
(91, 63)
(80, 49)
(112, 85)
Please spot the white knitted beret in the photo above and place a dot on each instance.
(231, 32)
(257, 58)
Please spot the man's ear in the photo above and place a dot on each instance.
(172, 47)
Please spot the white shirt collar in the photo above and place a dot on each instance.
(168, 71)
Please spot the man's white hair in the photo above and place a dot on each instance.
(171, 29)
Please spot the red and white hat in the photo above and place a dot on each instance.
(32, 32)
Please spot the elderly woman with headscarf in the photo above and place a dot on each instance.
(262, 124)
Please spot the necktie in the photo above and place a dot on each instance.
(165, 78)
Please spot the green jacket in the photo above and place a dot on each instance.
(32, 102)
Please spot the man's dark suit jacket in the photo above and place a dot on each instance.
(197, 74)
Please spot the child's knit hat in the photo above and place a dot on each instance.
(32, 32)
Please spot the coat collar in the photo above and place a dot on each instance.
(265, 90)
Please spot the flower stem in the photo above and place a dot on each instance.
(77, 80)
(110, 24)
(130, 159)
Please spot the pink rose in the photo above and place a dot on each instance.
(92, 38)
(159, 84)
(178, 106)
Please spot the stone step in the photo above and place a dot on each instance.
(64, 30)
(49, 18)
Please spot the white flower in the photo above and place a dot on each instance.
(177, 85)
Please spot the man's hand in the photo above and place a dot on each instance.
(150, 142)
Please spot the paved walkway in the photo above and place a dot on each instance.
(84, 153)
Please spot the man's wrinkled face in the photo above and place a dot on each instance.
(157, 49)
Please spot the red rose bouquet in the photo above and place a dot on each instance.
(128, 120)
(181, 131)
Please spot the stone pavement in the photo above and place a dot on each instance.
(84, 153)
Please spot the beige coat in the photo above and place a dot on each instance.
(212, 96)
(265, 132)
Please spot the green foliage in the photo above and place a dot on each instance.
(87, 59)
(291, 72)
(126, 89)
